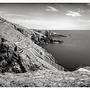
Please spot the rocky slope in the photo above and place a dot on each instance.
(23, 63)
(46, 78)
(19, 37)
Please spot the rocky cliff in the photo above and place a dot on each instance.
(18, 39)
(23, 63)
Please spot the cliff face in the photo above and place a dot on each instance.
(19, 40)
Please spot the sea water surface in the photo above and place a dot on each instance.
(74, 52)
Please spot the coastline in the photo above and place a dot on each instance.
(35, 60)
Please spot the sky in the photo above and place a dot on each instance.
(51, 16)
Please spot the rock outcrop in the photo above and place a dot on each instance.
(45, 37)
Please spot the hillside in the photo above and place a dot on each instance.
(24, 63)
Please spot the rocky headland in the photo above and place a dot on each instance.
(23, 63)
(46, 37)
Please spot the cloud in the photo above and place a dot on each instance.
(84, 21)
(88, 4)
(73, 14)
(1, 12)
(10, 16)
(7, 15)
(13, 15)
(50, 8)
(17, 15)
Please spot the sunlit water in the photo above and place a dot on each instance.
(74, 52)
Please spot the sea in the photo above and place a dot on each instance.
(74, 52)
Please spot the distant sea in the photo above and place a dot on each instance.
(74, 52)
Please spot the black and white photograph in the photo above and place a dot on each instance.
(44, 44)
